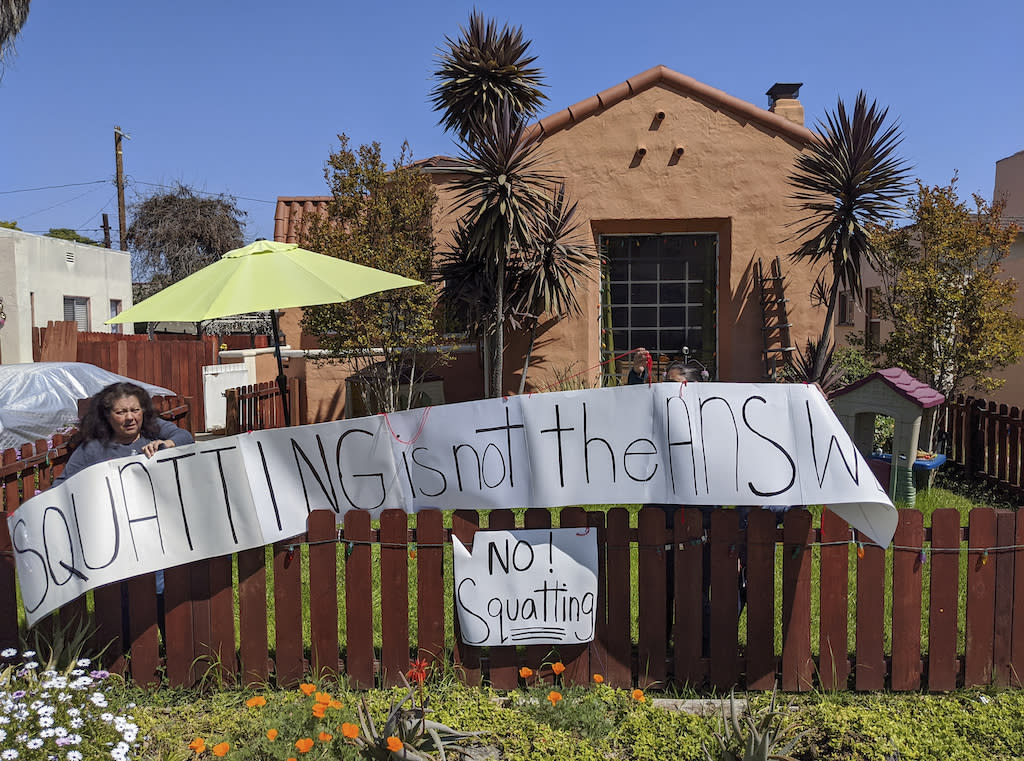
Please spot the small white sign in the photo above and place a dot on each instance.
(527, 587)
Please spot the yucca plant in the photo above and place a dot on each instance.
(846, 183)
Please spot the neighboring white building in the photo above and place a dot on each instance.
(44, 279)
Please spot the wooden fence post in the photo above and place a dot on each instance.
(231, 413)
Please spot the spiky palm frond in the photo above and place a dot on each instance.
(13, 14)
(847, 183)
(550, 273)
(482, 70)
(467, 288)
(503, 179)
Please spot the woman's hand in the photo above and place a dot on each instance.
(640, 359)
(154, 446)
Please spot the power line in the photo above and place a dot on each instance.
(52, 187)
(201, 192)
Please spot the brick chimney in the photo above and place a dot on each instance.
(784, 101)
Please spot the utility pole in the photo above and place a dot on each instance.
(106, 230)
(123, 223)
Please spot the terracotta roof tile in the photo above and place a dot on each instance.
(686, 85)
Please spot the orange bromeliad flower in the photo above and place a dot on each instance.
(304, 745)
(394, 744)
(198, 745)
(554, 697)
(557, 667)
(319, 709)
(526, 672)
(221, 749)
(324, 737)
(307, 689)
(271, 734)
(639, 697)
(598, 679)
(351, 731)
(256, 702)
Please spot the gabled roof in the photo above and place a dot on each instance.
(288, 218)
(903, 383)
(662, 75)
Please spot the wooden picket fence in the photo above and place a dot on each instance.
(986, 439)
(202, 603)
(258, 407)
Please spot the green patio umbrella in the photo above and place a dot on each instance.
(263, 277)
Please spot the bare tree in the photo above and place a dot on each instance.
(173, 234)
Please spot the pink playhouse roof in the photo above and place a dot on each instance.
(902, 382)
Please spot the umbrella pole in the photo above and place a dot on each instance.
(282, 382)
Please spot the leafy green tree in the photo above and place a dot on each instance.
(951, 309)
(379, 218)
(846, 183)
(173, 234)
(9, 225)
(66, 233)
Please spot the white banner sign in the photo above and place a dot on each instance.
(696, 444)
(527, 587)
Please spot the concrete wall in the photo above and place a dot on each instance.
(37, 272)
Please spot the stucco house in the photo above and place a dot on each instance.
(683, 188)
(44, 279)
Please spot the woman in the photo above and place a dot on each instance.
(121, 422)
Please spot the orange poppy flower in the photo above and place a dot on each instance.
(598, 679)
(319, 709)
(526, 672)
(351, 731)
(335, 704)
(324, 737)
(304, 745)
(557, 667)
(198, 745)
(307, 689)
(639, 697)
(394, 744)
(221, 749)
(256, 702)
(554, 697)
(323, 697)
(271, 734)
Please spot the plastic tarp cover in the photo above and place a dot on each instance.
(40, 399)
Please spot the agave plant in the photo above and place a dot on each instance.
(422, 739)
(760, 738)
(846, 183)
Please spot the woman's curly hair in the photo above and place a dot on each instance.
(96, 422)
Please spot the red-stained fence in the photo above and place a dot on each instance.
(364, 620)
(986, 439)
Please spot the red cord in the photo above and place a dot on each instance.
(423, 420)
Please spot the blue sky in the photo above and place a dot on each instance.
(247, 98)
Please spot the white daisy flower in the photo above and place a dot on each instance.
(74, 755)
(8, 652)
(83, 662)
(9, 755)
(28, 654)
(34, 744)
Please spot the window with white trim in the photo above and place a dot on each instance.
(76, 310)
